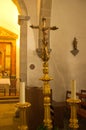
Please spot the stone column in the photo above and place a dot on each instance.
(23, 47)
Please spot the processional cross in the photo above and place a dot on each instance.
(45, 52)
(44, 55)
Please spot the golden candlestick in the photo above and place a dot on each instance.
(22, 107)
(47, 101)
(73, 117)
(45, 55)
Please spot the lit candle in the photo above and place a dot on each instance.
(22, 92)
(73, 89)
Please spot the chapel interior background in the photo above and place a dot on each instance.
(18, 43)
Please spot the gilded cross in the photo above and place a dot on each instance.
(45, 33)
(44, 27)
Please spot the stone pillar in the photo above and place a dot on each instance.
(23, 47)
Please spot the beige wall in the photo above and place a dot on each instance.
(70, 17)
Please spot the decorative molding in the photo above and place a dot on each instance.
(4, 33)
(22, 18)
(20, 4)
(17, 5)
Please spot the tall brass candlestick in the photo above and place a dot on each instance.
(73, 102)
(73, 121)
(47, 101)
(22, 107)
(45, 55)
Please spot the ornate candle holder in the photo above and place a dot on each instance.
(22, 107)
(73, 118)
(47, 101)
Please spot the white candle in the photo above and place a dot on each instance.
(73, 89)
(22, 92)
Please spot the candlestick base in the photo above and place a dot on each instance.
(73, 119)
(23, 107)
(23, 127)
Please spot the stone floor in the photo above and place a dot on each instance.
(8, 120)
(7, 117)
(81, 122)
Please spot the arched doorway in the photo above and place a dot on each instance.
(9, 39)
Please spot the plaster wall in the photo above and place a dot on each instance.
(70, 17)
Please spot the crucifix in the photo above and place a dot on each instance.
(45, 55)
(45, 39)
(44, 28)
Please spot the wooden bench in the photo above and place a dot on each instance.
(81, 112)
(82, 106)
(12, 89)
(68, 94)
(3, 90)
(83, 91)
